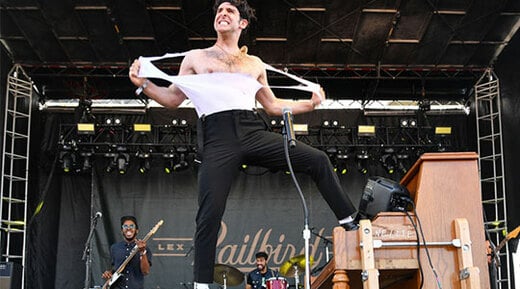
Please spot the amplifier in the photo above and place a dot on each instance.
(382, 195)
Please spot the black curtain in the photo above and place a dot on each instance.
(506, 70)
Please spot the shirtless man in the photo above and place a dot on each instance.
(232, 136)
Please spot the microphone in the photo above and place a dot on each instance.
(98, 215)
(289, 127)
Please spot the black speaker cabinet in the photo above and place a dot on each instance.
(382, 195)
(10, 275)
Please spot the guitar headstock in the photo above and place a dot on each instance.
(513, 234)
(156, 227)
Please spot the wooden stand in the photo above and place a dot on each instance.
(445, 188)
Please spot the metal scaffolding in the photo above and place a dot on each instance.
(15, 171)
(491, 167)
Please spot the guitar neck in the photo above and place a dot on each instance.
(135, 248)
(511, 235)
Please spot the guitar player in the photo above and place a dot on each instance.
(132, 276)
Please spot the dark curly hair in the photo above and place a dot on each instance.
(246, 12)
(262, 255)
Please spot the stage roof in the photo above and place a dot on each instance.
(357, 49)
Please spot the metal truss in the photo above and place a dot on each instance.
(169, 141)
(317, 71)
(491, 168)
(15, 172)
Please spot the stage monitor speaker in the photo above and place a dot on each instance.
(382, 195)
(10, 275)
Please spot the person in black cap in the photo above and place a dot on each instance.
(132, 276)
(257, 278)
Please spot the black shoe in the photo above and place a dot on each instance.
(350, 226)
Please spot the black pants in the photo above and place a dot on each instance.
(236, 137)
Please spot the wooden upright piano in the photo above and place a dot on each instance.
(445, 187)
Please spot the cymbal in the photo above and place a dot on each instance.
(289, 267)
(233, 276)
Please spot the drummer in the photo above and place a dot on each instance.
(257, 278)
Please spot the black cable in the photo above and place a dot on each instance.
(293, 176)
(418, 248)
(439, 285)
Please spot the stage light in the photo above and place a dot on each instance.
(301, 129)
(108, 121)
(144, 160)
(121, 162)
(362, 161)
(362, 166)
(182, 163)
(342, 167)
(341, 161)
(85, 128)
(142, 127)
(87, 164)
(366, 130)
(276, 123)
(342, 155)
(325, 124)
(407, 123)
(443, 130)
(363, 155)
(169, 160)
(144, 165)
(168, 166)
(110, 167)
(401, 158)
(389, 162)
(117, 121)
(180, 122)
(67, 160)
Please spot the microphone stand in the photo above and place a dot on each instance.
(306, 231)
(86, 252)
(326, 243)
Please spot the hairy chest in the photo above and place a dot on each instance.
(211, 62)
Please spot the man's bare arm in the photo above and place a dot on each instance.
(169, 97)
(275, 106)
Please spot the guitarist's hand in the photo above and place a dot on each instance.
(107, 275)
(141, 245)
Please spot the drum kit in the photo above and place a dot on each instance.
(226, 275)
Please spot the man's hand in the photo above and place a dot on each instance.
(107, 275)
(141, 245)
(318, 98)
(133, 73)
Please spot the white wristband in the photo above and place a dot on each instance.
(140, 89)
